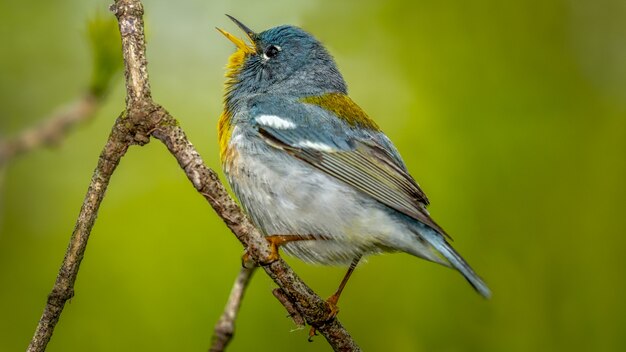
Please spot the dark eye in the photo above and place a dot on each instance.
(271, 51)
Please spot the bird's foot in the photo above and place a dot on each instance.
(274, 241)
(334, 310)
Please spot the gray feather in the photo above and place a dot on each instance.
(456, 261)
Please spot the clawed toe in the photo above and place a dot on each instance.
(312, 332)
(248, 262)
(334, 310)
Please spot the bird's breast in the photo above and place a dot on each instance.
(284, 195)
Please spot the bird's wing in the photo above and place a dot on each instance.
(365, 160)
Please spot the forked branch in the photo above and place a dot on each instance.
(144, 118)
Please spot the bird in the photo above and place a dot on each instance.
(315, 174)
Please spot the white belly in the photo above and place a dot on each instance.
(286, 196)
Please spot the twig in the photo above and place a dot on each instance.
(122, 136)
(293, 313)
(129, 15)
(225, 327)
(141, 119)
(103, 37)
(52, 130)
(63, 288)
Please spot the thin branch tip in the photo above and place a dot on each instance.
(51, 130)
(225, 328)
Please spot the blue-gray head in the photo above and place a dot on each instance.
(280, 60)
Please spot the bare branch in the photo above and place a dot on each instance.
(51, 130)
(293, 313)
(225, 327)
(63, 289)
(129, 15)
(130, 128)
(103, 38)
(142, 119)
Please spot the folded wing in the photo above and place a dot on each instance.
(363, 162)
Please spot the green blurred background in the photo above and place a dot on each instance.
(510, 114)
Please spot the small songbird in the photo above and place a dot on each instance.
(315, 174)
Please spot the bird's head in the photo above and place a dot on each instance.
(280, 60)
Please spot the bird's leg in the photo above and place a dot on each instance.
(334, 298)
(275, 242)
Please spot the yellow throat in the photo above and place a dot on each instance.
(224, 127)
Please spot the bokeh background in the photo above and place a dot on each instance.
(510, 114)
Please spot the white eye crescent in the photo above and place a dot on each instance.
(271, 52)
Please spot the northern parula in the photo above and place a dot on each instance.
(315, 174)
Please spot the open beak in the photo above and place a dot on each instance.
(240, 43)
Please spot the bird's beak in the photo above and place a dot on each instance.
(240, 43)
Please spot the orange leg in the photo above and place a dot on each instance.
(275, 242)
(332, 300)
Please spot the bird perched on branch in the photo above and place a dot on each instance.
(315, 174)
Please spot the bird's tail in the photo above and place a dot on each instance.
(439, 243)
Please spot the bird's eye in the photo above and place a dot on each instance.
(271, 51)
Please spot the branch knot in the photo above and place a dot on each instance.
(59, 297)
